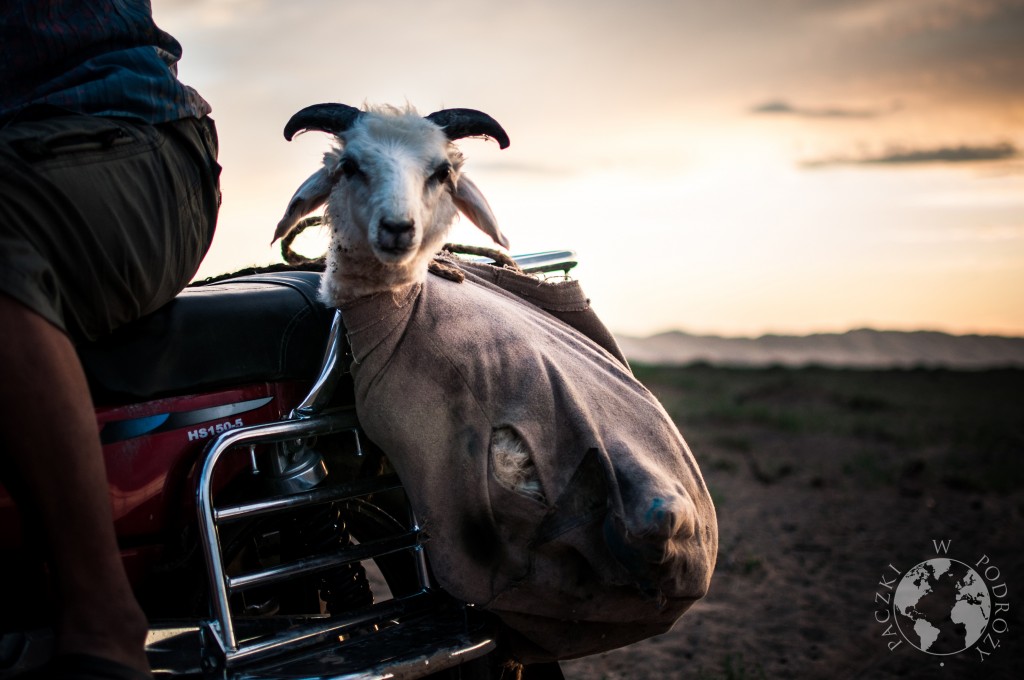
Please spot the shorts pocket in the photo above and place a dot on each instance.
(80, 140)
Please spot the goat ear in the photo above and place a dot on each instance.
(473, 205)
(310, 196)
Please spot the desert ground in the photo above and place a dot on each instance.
(829, 484)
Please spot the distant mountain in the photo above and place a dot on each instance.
(863, 348)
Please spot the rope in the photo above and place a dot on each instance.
(437, 267)
(499, 257)
(292, 257)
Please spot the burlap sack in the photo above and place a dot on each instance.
(621, 538)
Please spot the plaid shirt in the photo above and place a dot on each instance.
(100, 57)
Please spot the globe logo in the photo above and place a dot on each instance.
(942, 606)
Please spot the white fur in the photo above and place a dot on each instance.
(512, 464)
(397, 153)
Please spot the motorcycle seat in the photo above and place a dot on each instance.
(258, 328)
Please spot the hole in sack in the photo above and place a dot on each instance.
(512, 464)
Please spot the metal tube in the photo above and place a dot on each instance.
(309, 565)
(323, 388)
(539, 263)
(422, 573)
(270, 432)
(354, 489)
(550, 261)
(413, 604)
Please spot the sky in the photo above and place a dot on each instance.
(736, 167)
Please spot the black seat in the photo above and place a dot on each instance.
(262, 327)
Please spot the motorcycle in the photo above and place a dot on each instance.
(264, 535)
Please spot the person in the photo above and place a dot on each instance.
(109, 193)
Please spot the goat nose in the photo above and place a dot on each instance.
(397, 227)
(396, 236)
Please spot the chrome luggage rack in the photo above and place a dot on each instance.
(336, 646)
(423, 631)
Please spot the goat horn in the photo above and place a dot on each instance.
(459, 123)
(333, 118)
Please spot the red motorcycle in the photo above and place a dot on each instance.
(264, 536)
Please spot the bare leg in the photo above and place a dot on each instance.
(49, 439)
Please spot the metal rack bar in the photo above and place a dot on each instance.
(343, 492)
(355, 553)
(220, 584)
(549, 261)
(321, 630)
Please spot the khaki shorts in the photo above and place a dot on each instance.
(103, 220)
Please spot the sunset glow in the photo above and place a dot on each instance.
(734, 168)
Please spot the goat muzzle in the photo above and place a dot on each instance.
(396, 236)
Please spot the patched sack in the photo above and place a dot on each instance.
(555, 490)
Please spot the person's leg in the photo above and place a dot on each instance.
(101, 221)
(51, 449)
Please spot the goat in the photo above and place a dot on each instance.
(556, 490)
(392, 187)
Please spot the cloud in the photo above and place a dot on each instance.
(967, 51)
(782, 107)
(902, 19)
(938, 155)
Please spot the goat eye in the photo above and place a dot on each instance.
(442, 173)
(350, 168)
